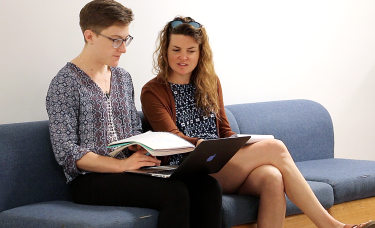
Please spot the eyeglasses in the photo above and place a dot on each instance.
(118, 42)
(176, 23)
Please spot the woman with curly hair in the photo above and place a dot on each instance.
(186, 98)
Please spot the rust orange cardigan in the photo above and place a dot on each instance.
(158, 106)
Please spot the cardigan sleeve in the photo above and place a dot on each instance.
(159, 108)
(222, 120)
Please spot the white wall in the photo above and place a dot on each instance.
(323, 50)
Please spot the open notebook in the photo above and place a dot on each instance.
(208, 157)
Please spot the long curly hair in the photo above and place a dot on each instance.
(203, 76)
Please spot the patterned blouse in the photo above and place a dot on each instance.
(189, 119)
(83, 119)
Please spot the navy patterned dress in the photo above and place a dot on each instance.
(190, 119)
(83, 119)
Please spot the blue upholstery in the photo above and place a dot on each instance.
(304, 126)
(33, 192)
(238, 209)
(29, 172)
(68, 214)
(232, 121)
(350, 179)
(323, 192)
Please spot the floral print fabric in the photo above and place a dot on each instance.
(189, 119)
(80, 115)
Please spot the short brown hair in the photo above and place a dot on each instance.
(100, 14)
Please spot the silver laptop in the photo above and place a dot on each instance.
(208, 157)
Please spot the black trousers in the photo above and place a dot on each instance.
(191, 202)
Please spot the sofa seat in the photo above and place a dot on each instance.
(235, 206)
(68, 214)
(350, 179)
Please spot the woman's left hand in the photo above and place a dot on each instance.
(136, 148)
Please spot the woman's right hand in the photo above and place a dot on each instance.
(93, 162)
(138, 160)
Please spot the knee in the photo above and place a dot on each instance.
(213, 188)
(212, 184)
(204, 184)
(272, 179)
(177, 192)
(278, 149)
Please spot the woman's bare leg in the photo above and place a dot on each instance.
(266, 182)
(273, 152)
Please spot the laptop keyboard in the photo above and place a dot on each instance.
(162, 173)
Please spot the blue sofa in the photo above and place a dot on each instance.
(33, 192)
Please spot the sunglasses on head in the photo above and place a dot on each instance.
(177, 23)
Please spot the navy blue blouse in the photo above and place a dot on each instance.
(190, 119)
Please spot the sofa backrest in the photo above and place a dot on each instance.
(304, 126)
(29, 172)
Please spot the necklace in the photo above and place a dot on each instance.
(106, 92)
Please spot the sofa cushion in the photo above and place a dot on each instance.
(324, 193)
(29, 172)
(240, 209)
(68, 214)
(303, 125)
(350, 179)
